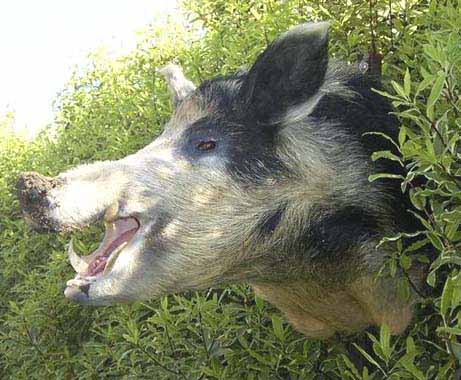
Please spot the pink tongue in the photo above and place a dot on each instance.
(97, 266)
(117, 233)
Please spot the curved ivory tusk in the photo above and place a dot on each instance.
(76, 261)
(113, 256)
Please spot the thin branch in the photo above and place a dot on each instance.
(451, 99)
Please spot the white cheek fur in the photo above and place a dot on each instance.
(81, 200)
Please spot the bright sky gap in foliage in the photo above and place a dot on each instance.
(42, 41)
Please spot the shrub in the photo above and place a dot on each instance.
(113, 107)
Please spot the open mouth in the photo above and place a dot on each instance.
(90, 268)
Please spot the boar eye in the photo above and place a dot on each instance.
(206, 146)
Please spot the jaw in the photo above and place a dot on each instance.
(131, 264)
(97, 271)
(166, 250)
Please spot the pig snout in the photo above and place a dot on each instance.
(33, 190)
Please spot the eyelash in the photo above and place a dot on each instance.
(206, 146)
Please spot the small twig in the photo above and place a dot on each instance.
(451, 99)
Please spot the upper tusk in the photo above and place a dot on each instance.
(76, 261)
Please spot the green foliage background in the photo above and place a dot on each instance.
(113, 107)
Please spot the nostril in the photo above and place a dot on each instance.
(34, 195)
(33, 188)
(36, 201)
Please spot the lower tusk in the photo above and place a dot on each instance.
(113, 256)
(76, 261)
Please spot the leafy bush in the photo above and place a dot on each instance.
(113, 107)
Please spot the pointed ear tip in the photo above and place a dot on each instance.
(168, 69)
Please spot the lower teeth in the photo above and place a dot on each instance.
(80, 280)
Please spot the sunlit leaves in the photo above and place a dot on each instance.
(429, 149)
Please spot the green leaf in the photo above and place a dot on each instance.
(430, 112)
(456, 297)
(407, 363)
(432, 52)
(259, 357)
(452, 216)
(351, 366)
(399, 89)
(403, 288)
(385, 341)
(434, 95)
(445, 302)
(417, 199)
(326, 11)
(449, 330)
(407, 360)
(405, 262)
(402, 135)
(259, 302)
(387, 154)
(431, 278)
(425, 83)
(383, 135)
(277, 327)
(374, 177)
(386, 94)
(435, 240)
(407, 83)
(369, 357)
(456, 349)
(164, 303)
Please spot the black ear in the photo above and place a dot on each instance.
(288, 72)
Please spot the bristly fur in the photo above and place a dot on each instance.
(259, 177)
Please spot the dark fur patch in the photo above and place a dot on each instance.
(370, 112)
(366, 112)
(162, 219)
(332, 233)
(241, 107)
(269, 222)
(219, 95)
(246, 148)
